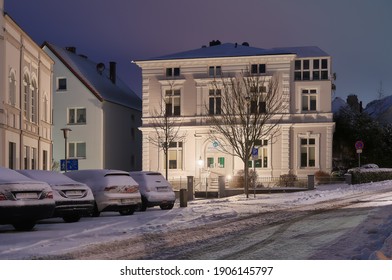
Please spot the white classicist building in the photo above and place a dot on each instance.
(25, 99)
(184, 81)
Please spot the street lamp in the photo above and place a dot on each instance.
(66, 133)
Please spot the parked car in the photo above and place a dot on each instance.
(23, 201)
(155, 190)
(114, 190)
(370, 166)
(365, 166)
(73, 199)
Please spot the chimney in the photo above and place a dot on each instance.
(71, 49)
(112, 71)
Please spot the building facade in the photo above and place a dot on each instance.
(25, 99)
(102, 113)
(183, 83)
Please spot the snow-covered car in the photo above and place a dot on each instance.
(365, 166)
(369, 166)
(23, 201)
(73, 199)
(155, 190)
(114, 190)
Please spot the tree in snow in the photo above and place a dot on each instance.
(166, 122)
(250, 110)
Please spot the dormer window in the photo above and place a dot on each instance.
(173, 72)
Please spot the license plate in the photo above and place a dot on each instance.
(161, 189)
(73, 193)
(27, 195)
(126, 201)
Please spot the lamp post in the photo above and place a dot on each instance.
(66, 133)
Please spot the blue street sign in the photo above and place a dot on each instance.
(255, 153)
(72, 164)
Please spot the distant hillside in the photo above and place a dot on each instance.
(381, 110)
(337, 104)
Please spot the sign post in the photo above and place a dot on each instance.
(255, 156)
(359, 146)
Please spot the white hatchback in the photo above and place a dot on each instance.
(114, 190)
(155, 190)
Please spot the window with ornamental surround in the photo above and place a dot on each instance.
(173, 102)
(308, 152)
(12, 89)
(215, 99)
(175, 155)
(33, 102)
(262, 155)
(257, 100)
(309, 100)
(26, 94)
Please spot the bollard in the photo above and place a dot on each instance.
(310, 182)
(190, 188)
(349, 178)
(183, 198)
(222, 186)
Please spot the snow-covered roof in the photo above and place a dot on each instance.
(235, 50)
(98, 83)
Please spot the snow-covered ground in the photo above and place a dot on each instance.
(53, 237)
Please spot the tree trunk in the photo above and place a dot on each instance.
(246, 175)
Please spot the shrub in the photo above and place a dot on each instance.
(288, 180)
(322, 177)
(360, 176)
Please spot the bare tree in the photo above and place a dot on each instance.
(252, 106)
(166, 122)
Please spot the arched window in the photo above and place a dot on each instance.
(26, 94)
(33, 101)
(12, 88)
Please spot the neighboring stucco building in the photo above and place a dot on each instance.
(25, 99)
(184, 81)
(103, 113)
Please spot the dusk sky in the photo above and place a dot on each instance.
(357, 34)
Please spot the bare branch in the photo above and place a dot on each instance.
(251, 109)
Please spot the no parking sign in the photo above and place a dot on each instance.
(359, 146)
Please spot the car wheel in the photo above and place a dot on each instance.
(166, 206)
(71, 218)
(24, 225)
(127, 211)
(96, 212)
(143, 207)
